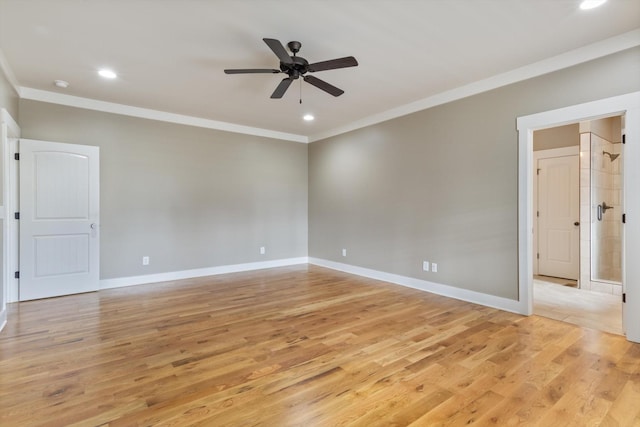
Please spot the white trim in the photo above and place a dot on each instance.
(3, 319)
(146, 113)
(555, 63)
(12, 227)
(198, 272)
(628, 104)
(13, 130)
(424, 285)
(573, 150)
(8, 129)
(8, 72)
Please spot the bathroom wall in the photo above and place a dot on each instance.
(556, 137)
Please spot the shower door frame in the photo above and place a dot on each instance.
(603, 218)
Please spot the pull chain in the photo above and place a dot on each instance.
(300, 92)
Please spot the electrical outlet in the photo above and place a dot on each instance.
(262, 250)
(434, 267)
(344, 252)
(425, 265)
(145, 260)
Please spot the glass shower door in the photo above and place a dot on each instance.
(606, 203)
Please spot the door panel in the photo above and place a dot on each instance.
(61, 254)
(63, 191)
(59, 217)
(559, 210)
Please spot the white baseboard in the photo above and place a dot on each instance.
(198, 272)
(505, 304)
(423, 285)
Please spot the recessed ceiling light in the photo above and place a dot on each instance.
(61, 83)
(591, 4)
(107, 74)
(308, 117)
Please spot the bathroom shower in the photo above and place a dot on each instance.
(606, 204)
(612, 157)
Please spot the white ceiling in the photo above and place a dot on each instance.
(170, 54)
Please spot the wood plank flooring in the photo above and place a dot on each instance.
(304, 346)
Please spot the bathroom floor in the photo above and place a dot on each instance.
(557, 280)
(563, 302)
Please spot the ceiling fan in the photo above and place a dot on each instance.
(296, 67)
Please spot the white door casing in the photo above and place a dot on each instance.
(59, 219)
(12, 236)
(559, 215)
(9, 131)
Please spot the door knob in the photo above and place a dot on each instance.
(94, 226)
(577, 223)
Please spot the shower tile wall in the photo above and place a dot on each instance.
(600, 241)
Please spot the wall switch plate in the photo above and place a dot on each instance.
(425, 265)
(262, 250)
(145, 260)
(344, 252)
(434, 267)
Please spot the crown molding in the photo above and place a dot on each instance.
(146, 113)
(565, 60)
(577, 56)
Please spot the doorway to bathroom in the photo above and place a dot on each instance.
(577, 227)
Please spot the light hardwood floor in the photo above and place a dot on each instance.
(304, 346)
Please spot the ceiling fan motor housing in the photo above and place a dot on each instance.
(299, 67)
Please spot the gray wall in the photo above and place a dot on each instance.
(441, 184)
(187, 197)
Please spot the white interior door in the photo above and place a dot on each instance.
(59, 218)
(559, 216)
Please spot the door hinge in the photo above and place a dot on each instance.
(624, 138)
(624, 218)
(538, 171)
(16, 215)
(538, 214)
(16, 275)
(16, 156)
(538, 256)
(624, 297)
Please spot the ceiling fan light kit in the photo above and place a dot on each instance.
(296, 66)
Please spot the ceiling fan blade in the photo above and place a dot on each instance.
(282, 88)
(321, 84)
(347, 61)
(252, 71)
(279, 50)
